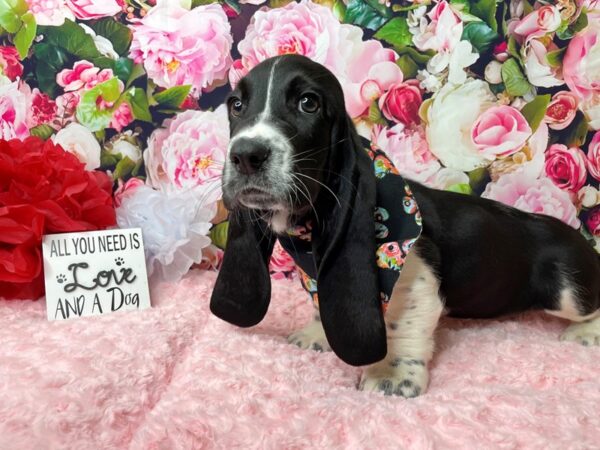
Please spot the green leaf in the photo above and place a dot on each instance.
(477, 176)
(339, 10)
(395, 32)
(514, 80)
(375, 115)
(123, 68)
(42, 131)
(49, 60)
(118, 34)
(359, 12)
(535, 110)
(461, 5)
(580, 23)
(486, 11)
(480, 35)
(88, 113)
(576, 133)
(172, 97)
(513, 48)
(24, 37)
(136, 97)
(73, 39)
(461, 189)
(10, 14)
(408, 66)
(136, 72)
(218, 234)
(123, 168)
(419, 58)
(527, 8)
(233, 4)
(555, 57)
(108, 160)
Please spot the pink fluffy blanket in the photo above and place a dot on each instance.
(175, 377)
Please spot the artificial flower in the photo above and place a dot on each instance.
(80, 141)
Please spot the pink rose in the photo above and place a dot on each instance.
(121, 117)
(50, 12)
(593, 222)
(539, 196)
(14, 107)
(281, 263)
(537, 23)
(95, 9)
(126, 189)
(10, 63)
(443, 32)
(500, 131)
(408, 150)
(593, 156)
(561, 110)
(365, 68)
(566, 167)
(178, 46)
(83, 76)
(581, 70)
(188, 151)
(401, 103)
(43, 109)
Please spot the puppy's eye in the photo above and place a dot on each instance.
(309, 103)
(235, 106)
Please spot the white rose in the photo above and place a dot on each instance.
(591, 109)
(80, 141)
(493, 73)
(445, 177)
(538, 72)
(126, 146)
(103, 45)
(450, 118)
(588, 196)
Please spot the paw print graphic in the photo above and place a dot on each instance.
(61, 278)
(119, 261)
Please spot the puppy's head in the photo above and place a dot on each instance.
(281, 117)
(294, 151)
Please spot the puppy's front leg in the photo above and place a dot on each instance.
(311, 336)
(411, 319)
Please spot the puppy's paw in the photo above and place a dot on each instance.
(311, 337)
(404, 377)
(586, 333)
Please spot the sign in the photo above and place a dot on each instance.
(94, 273)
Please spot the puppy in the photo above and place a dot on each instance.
(298, 172)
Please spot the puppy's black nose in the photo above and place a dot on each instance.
(248, 157)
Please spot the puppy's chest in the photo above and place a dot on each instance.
(397, 224)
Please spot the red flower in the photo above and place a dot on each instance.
(10, 64)
(43, 108)
(43, 189)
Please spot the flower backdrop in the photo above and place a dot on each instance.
(499, 99)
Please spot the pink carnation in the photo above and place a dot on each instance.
(593, 156)
(95, 9)
(500, 131)
(566, 167)
(365, 68)
(532, 195)
(178, 46)
(408, 150)
(14, 107)
(281, 264)
(189, 151)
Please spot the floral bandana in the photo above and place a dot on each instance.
(397, 227)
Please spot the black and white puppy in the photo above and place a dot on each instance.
(294, 153)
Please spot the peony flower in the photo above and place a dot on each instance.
(80, 141)
(50, 12)
(450, 119)
(125, 145)
(281, 264)
(593, 156)
(593, 222)
(188, 151)
(365, 68)
(10, 63)
(95, 9)
(500, 131)
(126, 189)
(54, 195)
(442, 33)
(43, 109)
(538, 23)
(566, 167)
(540, 196)
(174, 227)
(591, 110)
(588, 196)
(178, 46)
(561, 110)
(14, 107)
(408, 150)
(537, 69)
(401, 103)
(581, 70)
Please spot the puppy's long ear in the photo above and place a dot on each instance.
(242, 292)
(344, 247)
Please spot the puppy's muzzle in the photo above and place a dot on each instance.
(248, 157)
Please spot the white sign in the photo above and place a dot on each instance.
(95, 272)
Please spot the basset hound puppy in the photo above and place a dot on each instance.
(383, 257)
